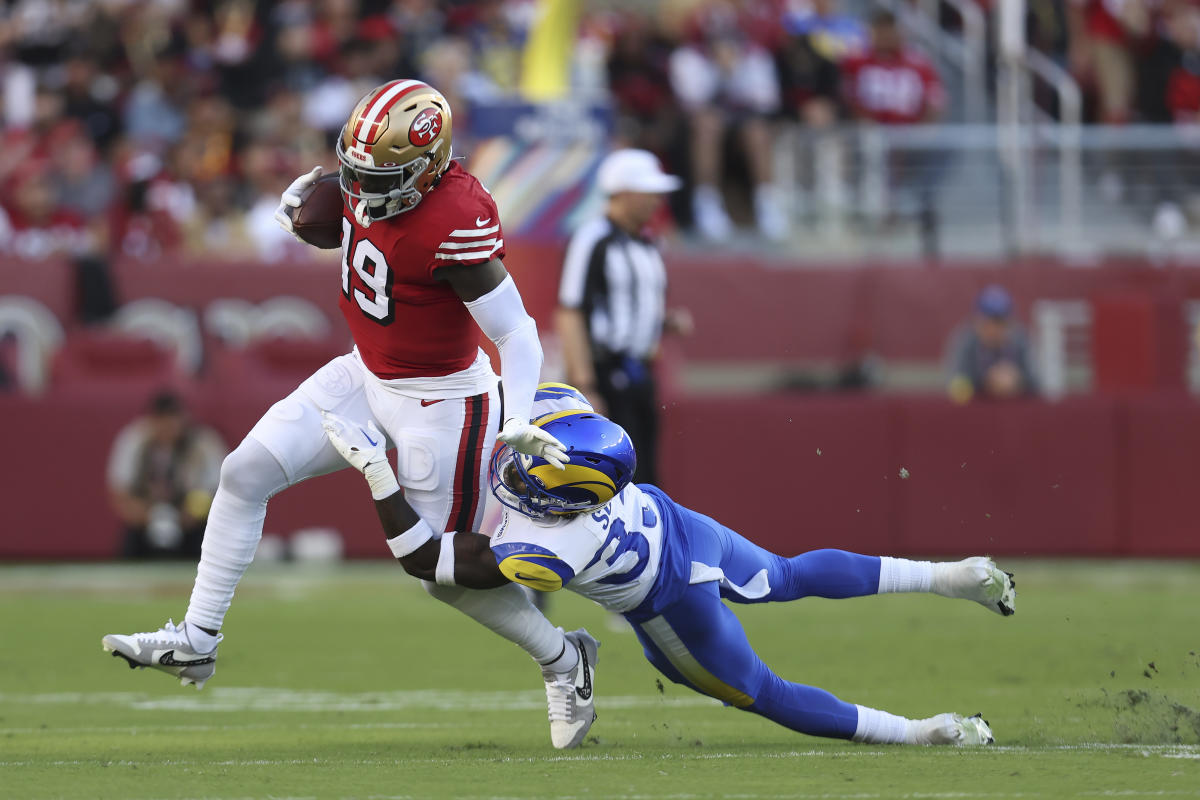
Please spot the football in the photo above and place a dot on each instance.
(318, 220)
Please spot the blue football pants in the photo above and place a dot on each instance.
(699, 642)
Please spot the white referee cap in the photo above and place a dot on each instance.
(634, 171)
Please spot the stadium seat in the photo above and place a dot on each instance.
(237, 322)
(37, 335)
(240, 384)
(290, 318)
(166, 324)
(230, 320)
(106, 363)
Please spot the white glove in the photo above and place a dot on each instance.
(533, 441)
(365, 449)
(291, 198)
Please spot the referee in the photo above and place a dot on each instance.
(612, 302)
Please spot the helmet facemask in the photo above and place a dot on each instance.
(375, 193)
(600, 463)
(516, 487)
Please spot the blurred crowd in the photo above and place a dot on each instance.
(1138, 60)
(144, 127)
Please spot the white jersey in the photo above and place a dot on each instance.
(612, 555)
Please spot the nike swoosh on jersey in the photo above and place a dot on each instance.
(430, 402)
(168, 659)
(481, 222)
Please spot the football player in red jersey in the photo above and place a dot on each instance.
(421, 268)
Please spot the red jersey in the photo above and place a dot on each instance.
(405, 322)
(1113, 21)
(61, 234)
(1183, 94)
(896, 90)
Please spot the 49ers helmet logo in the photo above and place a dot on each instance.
(425, 127)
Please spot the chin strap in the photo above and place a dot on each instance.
(362, 210)
(362, 213)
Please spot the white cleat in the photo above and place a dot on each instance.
(167, 649)
(957, 730)
(569, 695)
(979, 579)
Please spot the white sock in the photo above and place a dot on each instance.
(508, 612)
(233, 530)
(902, 575)
(707, 194)
(880, 727)
(956, 578)
(566, 661)
(765, 194)
(230, 539)
(201, 640)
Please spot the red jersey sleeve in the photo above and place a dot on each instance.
(469, 230)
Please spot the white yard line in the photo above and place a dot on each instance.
(610, 757)
(235, 699)
(790, 795)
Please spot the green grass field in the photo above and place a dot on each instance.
(351, 683)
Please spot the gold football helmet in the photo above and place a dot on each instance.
(393, 149)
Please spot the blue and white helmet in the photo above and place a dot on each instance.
(600, 462)
(553, 397)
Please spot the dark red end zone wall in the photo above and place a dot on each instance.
(1111, 474)
(1090, 476)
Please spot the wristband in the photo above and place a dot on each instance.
(381, 479)
(444, 574)
(407, 543)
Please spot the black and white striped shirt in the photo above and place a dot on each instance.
(619, 283)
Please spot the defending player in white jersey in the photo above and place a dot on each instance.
(667, 569)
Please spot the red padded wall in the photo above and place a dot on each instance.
(754, 466)
(1085, 476)
(1160, 445)
(1020, 477)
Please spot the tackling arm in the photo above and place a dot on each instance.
(490, 295)
(472, 562)
(464, 559)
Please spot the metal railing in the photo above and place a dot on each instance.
(967, 50)
(993, 191)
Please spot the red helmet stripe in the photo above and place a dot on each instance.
(368, 124)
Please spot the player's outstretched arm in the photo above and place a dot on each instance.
(490, 295)
(464, 559)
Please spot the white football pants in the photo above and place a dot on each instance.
(442, 452)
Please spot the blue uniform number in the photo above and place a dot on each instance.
(627, 541)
